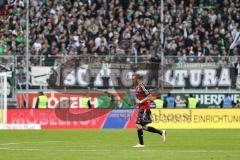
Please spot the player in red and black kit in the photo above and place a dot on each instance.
(144, 113)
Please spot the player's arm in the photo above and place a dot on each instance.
(148, 98)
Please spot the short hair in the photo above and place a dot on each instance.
(138, 76)
(41, 93)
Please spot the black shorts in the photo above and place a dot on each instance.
(144, 117)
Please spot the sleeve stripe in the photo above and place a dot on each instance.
(144, 89)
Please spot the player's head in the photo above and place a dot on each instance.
(41, 93)
(136, 78)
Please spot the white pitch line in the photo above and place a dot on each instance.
(15, 143)
(5, 144)
(109, 150)
(89, 146)
(46, 150)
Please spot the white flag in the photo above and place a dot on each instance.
(11, 2)
(236, 39)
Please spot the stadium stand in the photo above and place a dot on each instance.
(122, 27)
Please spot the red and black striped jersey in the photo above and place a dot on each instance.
(141, 93)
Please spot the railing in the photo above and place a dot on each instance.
(224, 61)
(42, 60)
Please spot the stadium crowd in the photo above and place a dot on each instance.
(122, 27)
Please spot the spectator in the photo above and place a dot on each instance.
(180, 103)
(192, 102)
(201, 28)
(227, 102)
(158, 102)
(169, 101)
(42, 101)
(238, 102)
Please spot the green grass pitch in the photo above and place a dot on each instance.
(117, 145)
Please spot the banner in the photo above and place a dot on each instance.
(53, 119)
(118, 119)
(213, 100)
(208, 100)
(178, 78)
(189, 76)
(75, 100)
(121, 99)
(195, 65)
(201, 78)
(54, 99)
(107, 118)
(40, 75)
(20, 126)
(196, 118)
